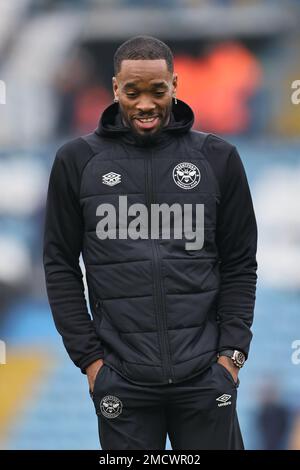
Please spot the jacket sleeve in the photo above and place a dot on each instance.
(63, 235)
(237, 244)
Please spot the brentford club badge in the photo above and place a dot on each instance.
(111, 406)
(186, 175)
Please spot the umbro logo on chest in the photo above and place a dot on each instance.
(111, 178)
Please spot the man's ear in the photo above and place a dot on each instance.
(115, 87)
(174, 82)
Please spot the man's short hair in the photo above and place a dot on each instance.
(143, 48)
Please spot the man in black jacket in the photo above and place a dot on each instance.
(171, 318)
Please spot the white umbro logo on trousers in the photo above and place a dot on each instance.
(224, 399)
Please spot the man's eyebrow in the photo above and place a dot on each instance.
(160, 84)
(154, 85)
(130, 85)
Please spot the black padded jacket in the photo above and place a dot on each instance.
(159, 313)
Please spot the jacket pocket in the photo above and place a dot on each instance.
(99, 312)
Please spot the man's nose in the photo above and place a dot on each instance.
(145, 105)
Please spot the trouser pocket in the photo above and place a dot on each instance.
(98, 377)
(227, 374)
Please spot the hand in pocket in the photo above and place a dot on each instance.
(92, 372)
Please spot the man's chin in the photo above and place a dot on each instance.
(147, 138)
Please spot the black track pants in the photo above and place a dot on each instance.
(199, 413)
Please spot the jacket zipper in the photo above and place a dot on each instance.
(157, 278)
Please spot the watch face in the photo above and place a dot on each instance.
(239, 357)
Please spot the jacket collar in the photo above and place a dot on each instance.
(111, 125)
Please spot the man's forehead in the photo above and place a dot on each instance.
(135, 71)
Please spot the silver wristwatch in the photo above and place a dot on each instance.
(237, 357)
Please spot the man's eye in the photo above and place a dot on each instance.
(131, 95)
(160, 93)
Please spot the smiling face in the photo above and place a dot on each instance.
(144, 89)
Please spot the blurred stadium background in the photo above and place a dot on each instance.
(236, 62)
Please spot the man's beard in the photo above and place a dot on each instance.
(147, 139)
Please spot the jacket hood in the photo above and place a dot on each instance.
(111, 125)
